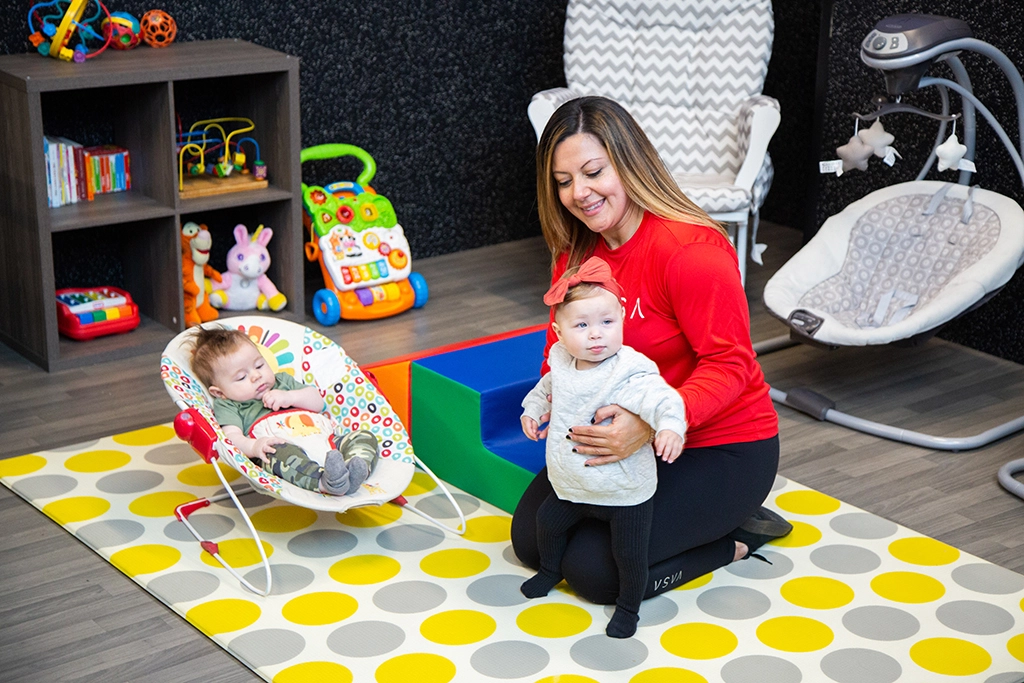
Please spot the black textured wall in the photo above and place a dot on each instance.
(995, 327)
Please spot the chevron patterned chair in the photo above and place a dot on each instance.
(691, 73)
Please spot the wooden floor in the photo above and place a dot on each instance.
(66, 615)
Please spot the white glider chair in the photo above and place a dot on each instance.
(691, 73)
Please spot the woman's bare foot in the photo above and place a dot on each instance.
(741, 551)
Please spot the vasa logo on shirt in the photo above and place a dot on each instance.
(637, 312)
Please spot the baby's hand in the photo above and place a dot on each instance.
(264, 446)
(668, 445)
(529, 427)
(276, 399)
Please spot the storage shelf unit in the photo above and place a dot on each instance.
(133, 95)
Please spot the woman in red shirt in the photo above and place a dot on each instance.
(602, 190)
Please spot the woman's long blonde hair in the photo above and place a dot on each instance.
(647, 182)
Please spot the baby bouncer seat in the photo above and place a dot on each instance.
(896, 265)
(353, 402)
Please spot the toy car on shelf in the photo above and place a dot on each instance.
(362, 250)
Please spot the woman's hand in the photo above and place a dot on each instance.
(612, 442)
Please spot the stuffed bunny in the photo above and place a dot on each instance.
(245, 285)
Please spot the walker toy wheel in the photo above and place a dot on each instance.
(420, 289)
(326, 307)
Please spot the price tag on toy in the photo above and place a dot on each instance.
(831, 166)
(967, 165)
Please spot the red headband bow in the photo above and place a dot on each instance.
(594, 271)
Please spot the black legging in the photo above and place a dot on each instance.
(701, 497)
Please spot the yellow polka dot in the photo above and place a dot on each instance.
(807, 503)
(203, 475)
(23, 464)
(282, 519)
(159, 504)
(317, 609)
(695, 583)
(458, 627)
(554, 620)
(923, 551)
(223, 616)
(908, 587)
(668, 674)
(490, 529)
(697, 640)
(421, 483)
(77, 509)
(237, 552)
(364, 517)
(802, 535)
(567, 678)
(314, 671)
(145, 559)
(145, 437)
(421, 667)
(455, 563)
(794, 634)
(817, 592)
(950, 656)
(1015, 646)
(364, 569)
(97, 461)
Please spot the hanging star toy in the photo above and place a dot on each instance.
(950, 152)
(876, 136)
(855, 154)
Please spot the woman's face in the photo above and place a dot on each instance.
(590, 188)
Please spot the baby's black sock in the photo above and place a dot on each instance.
(540, 585)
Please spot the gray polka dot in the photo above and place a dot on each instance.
(44, 486)
(733, 602)
(365, 639)
(322, 543)
(760, 668)
(183, 586)
(209, 526)
(990, 579)
(862, 525)
(780, 482)
(410, 538)
(857, 665)
(409, 597)
(752, 568)
(75, 447)
(845, 559)
(439, 507)
(130, 481)
(109, 533)
(249, 501)
(1008, 677)
(509, 659)
(267, 647)
(509, 555)
(975, 618)
(501, 590)
(880, 622)
(172, 454)
(285, 578)
(653, 612)
(602, 653)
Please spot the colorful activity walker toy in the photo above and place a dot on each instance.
(86, 313)
(53, 26)
(363, 252)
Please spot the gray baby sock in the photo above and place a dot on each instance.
(336, 479)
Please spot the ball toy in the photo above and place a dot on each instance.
(123, 30)
(158, 28)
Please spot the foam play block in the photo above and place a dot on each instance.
(465, 416)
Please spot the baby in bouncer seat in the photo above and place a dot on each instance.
(246, 392)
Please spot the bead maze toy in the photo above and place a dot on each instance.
(86, 313)
(53, 25)
(362, 250)
(218, 164)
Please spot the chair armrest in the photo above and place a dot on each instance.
(758, 119)
(544, 104)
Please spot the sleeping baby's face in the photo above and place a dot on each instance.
(242, 375)
(590, 328)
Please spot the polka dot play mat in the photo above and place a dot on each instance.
(378, 595)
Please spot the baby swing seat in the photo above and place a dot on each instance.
(353, 403)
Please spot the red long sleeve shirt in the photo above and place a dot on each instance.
(686, 311)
